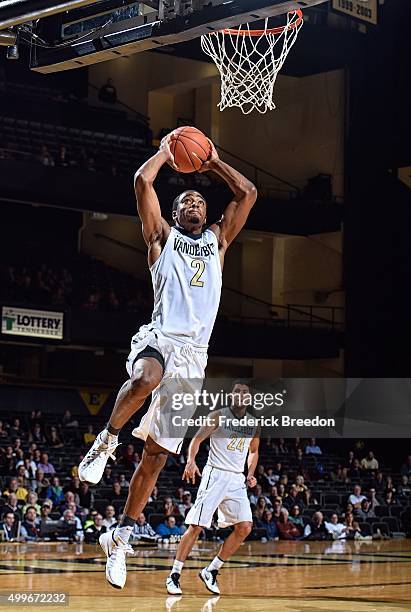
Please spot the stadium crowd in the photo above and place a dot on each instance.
(86, 284)
(301, 493)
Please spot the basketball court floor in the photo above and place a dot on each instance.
(287, 576)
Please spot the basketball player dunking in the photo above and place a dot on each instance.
(223, 486)
(186, 264)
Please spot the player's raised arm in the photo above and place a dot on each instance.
(245, 195)
(155, 228)
(252, 460)
(191, 468)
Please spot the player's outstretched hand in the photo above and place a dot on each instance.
(190, 472)
(251, 481)
(165, 148)
(208, 165)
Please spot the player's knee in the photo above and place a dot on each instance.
(144, 382)
(195, 529)
(244, 529)
(154, 457)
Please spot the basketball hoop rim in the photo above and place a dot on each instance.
(278, 30)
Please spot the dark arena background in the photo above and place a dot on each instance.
(315, 287)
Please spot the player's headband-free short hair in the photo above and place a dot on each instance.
(178, 198)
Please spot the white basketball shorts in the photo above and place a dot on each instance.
(184, 367)
(222, 490)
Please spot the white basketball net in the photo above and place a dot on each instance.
(250, 60)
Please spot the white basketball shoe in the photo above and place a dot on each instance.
(173, 584)
(91, 469)
(116, 551)
(210, 580)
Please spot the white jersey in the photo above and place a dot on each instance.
(229, 443)
(187, 286)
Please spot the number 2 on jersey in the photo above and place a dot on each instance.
(200, 266)
(236, 443)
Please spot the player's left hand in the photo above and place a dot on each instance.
(208, 165)
(251, 481)
(190, 472)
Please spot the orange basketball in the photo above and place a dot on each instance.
(190, 148)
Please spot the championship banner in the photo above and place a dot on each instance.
(360, 10)
(94, 399)
(44, 324)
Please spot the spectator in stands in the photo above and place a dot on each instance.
(268, 523)
(12, 505)
(277, 506)
(352, 527)
(404, 490)
(55, 491)
(356, 497)
(22, 477)
(299, 483)
(86, 496)
(109, 517)
(379, 483)
(272, 494)
(365, 511)
(70, 526)
(53, 439)
(28, 529)
(372, 496)
(10, 527)
(312, 448)
(74, 487)
(124, 483)
(15, 430)
(286, 528)
(389, 499)
(136, 460)
(78, 511)
(293, 498)
(37, 456)
(281, 490)
(92, 533)
(257, 492)
(29, 466)
(69, 498)
(355, 471)
(260, 476)
(370, 462)
(389, 486)
(270, 478)
(40, 483)
(63, 158)
(44, 515)
(89, 436)
(316, 529)
(337, 529)
(260, 507)
(89, 520)
(45, 157)
(3, 430)
(128, 456)
(45, 465)
(142, 529)
(186, 504)
(296, 518)
(31, 501)
(117, 493)
(169, 508)
(280, 447)
(14, 487)
(108, 478)
(68, 420)
(168, 528)
(108, 93)
(154, 495)
(406, 467)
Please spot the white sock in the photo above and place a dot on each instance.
(215, 564)
(124, 532)
(107, 437)
(177, 567)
